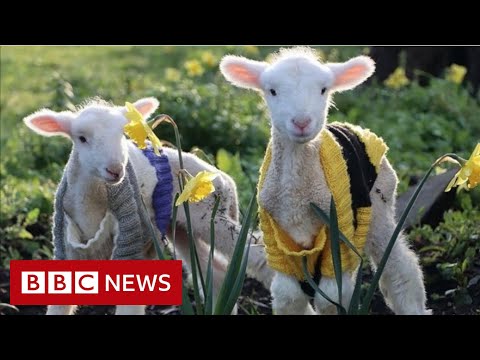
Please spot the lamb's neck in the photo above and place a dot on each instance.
(290, 156)
(295, 178)
(86, 198)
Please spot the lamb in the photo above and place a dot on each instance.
(302, 164)
(102, 159)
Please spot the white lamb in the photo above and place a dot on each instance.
(298, 90)
(99, 161)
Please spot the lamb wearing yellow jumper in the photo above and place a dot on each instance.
(308, 161)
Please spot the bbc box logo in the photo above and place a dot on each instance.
(60, 282)
(95, 282)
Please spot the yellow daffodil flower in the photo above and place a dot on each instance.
(469, 172)
(456, 73)
(138, 130)
(194, 68)
(197, 188)
(208, 58)
(397, 79)
(172, 74)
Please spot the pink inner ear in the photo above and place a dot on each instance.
(240, 73)
(144, 108)
(48, 124)
(350, 75)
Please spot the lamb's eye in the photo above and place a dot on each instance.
(323, 90)
(82, 139)
(273, 92)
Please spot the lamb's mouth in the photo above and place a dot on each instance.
(301, 138)
(113, 180)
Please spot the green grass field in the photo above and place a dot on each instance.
(418, 123)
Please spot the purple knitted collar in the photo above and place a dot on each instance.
(162, 194)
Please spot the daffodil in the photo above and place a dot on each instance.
(397, 79)
(194, 68)
(469, 172)
(138, 130)
(172, 74)
(456, 73)
(208, 58)
(197, 188)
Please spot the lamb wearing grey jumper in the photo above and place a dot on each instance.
(101, 180)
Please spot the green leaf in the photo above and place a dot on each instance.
(8, 306)
(31, 217)
(209, 295)
(234, 270)
(320, 213)
(202, 155)
(312, 283)
(186, 307)
(353, 309)
(355, 300)
(24, 234)
(336, 257)
(432, 248)
(195, 265)
(174, 225)
(224, 160)
(237, 287)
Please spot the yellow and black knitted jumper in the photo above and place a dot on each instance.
(350, 158)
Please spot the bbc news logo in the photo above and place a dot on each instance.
(86, 282)
(95, 282)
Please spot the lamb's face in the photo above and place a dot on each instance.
(297, 87)
(297, 94)
(97, 134)
(100, 144)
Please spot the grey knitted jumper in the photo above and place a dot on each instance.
(125, 205)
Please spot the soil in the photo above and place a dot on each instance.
(256, 300)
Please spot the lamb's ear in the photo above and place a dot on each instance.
(146, 106)
(352, 73)
(49, 123)
(242, 72)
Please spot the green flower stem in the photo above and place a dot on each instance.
(194, 262)
(161, 118)
(461, 161)
(174, 227)
(393, 239)
(182, 180)
(209, 281)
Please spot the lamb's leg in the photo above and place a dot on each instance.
(402, 280)
(288, 296)
(61, 309)
(130, 310)
(329, 287)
